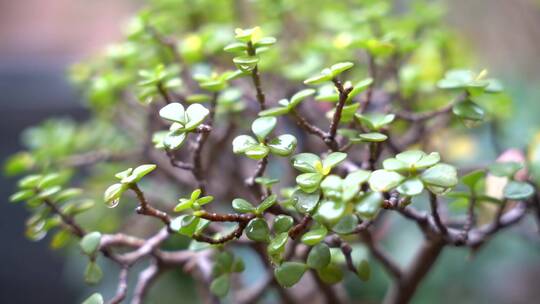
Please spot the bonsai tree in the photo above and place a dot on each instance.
(293, 137)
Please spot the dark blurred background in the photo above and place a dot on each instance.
(39, 39)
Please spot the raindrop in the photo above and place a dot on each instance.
(113, 203)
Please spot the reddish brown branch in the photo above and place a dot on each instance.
(299, 228)
(146, 209)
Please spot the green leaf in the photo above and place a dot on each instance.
(49, 192)
(515, 190)
(369, 205)
(331, 274)
(393, 164)
(242, 143)
(274, 111)
(198, 98)
(282, 223)
(325, 75)
(411, 187)
(67, 194)
(305, 202)
(375, 121)
(257, 230)
(220, 285)
(341, 67)
(306, 162)
(470, 180)
(242, 206)
(90, 243)
(346, 224)
(332, 160)
(95, 298)
(319, 256)
(21, 195)
(235, 47)
(283, 145)
(300, 96)
(360, 87)
(137, 174)
(363, 270)
(309, 182)
(124, 174)
(92, 273)
(195, 114)
(188, 224)
(468, 110)
(183, 205)
(246, 35)
(314, 236)
(505, 169)
(246, 63)
(30, 181)
(204, 200)
(384, 180)
(49, 180)
(327, 93)
(265, 41)
(263, 126)
(266, 203)
(173, 112)
(277, 244)
(195, 194)
(238, 265)
(113, 193)
(266, 181)
(440, 175)
(370, 137)
(428, 160)
(410, 157)
(257, 152)
(289, 273)
(330, 212)
(412, 161)
(351, 183)
(332, 186)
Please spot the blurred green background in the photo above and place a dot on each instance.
(39, 39)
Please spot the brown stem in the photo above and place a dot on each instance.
(389, 265)
(146, 209)
(163, 92)
(343, 95)
(144, 282)
(403, 289)
(122, 287)
(306, 125)
(259, 171)
(237, 233)
(435, 213)
(230, 217)
(66, 219)
(256, 78)
(299, 228)
(471, 219)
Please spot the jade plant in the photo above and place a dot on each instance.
(278, 159)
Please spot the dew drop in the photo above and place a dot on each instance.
(113, 203)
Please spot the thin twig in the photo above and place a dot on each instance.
(256, 78)
(434, 204)
(121, 291)
(389, 265)
(144, 282)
